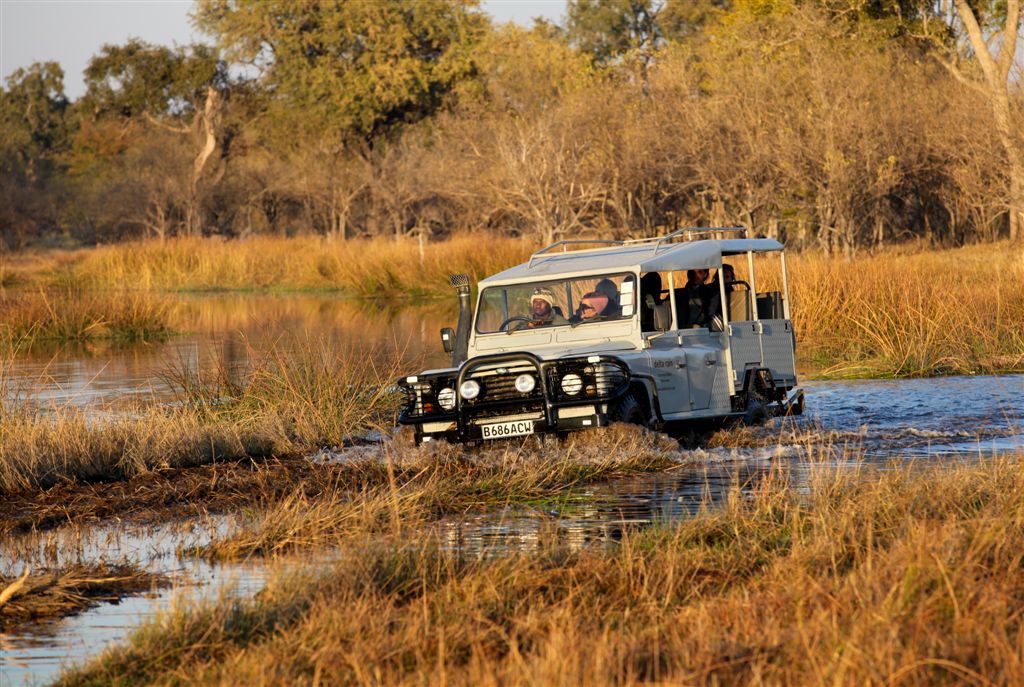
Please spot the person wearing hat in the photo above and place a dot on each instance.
(543, 311)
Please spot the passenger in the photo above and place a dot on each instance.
(650, 299)
(593, 306)
(713, 298)
(690, 300)
(543, 311)
(608, 288)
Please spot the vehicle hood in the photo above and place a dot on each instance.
(580, 349)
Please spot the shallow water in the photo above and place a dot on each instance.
(947, 419)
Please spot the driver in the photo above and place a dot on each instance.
(543, 312)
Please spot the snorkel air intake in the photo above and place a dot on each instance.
(460, 282)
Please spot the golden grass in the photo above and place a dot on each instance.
(370, 268)
(902, 312)
(64, 315)
(912, 314)
(902, 576)
(291, 400)
(395, 487)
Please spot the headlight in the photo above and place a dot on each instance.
(446, 398)
(525, 383)
(470, 389)
(572, 384)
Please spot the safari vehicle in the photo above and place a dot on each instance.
(591, 332)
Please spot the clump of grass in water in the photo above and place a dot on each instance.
(39, 595)
(291, 401)
(27, 318)
(312, 391)
(914, 574)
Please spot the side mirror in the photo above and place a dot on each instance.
(448, 339)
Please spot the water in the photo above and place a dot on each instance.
(946, 419)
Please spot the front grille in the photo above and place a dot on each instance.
(602, 379)
(498, 382)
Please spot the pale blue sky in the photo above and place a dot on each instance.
(72, 31)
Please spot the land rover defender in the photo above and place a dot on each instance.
(590, 332)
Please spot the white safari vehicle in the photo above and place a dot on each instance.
(592, 332)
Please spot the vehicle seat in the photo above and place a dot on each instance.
(739, 305)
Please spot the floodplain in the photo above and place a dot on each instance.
(235, 456)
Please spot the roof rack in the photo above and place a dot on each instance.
(567, 242)
(694, 230)
(658, 241)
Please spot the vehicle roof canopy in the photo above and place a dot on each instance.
(643, 255)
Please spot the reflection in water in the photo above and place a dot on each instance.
(928, 420)
(224, 328)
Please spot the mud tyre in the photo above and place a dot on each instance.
(630, 409)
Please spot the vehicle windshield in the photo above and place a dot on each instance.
(555, 303)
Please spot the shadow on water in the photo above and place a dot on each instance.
(945, 420)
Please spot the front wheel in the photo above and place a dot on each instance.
(630, 409)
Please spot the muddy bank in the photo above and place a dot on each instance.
(36, 596)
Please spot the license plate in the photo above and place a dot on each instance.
(500, 430)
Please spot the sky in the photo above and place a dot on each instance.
(72, 31)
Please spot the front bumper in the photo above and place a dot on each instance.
(548, 409)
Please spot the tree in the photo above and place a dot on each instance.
(33, 126)
(347, 68)
(179, 91)
(138, 79)
(992, 38)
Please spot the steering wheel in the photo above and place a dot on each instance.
(514, 318)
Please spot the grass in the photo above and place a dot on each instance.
(900, 576)
(295, 397)
(911, 314)
(899, 313)
(40, 595)
(374, 268)
(28, 318)
(400, 487)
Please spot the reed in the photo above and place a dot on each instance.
(911, 314)
(371, 268)
(65, 315)
(284, 403)
(897, 576)
(909, 311)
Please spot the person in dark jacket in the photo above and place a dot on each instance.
(690, 306)
(713, 297)
(650, 299)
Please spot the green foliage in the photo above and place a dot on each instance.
(346, 68)
(32, 118)
(138, 78)
(608, 29)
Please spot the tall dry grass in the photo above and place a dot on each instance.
(365, 268)
(901, 312)
(283, 403)
(901, 576)
(72, 315)
(911, 314)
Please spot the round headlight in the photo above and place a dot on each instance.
(525, 383)
(572, 384)
(470, 389)
(446, 398)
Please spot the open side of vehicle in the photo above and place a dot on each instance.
(626, 331)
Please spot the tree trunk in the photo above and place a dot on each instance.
(997, 73)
